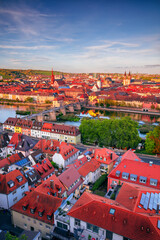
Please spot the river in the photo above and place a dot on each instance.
(10, 111)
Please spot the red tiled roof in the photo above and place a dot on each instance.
(104, 155)
(16, 138)
(67, 150)
(11, 121)
(41, 202)
(69, 176)
(89, 166)
(11, 176)
(10, 160)
(130, 155)
(45, 168)
(47, 146)
(95, 210)
(45, 187)
(138, 168)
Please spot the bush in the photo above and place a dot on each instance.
(99, 182)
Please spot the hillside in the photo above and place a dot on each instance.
(16, 73)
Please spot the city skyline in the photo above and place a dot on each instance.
(81, 36)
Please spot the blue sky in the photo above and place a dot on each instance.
(80, 36)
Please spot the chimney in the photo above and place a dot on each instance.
(111, 156)
(57, 149)
(150, 163)
(60, 169)
(19, 137)
(56, 172)
(52, 184)
(59, 194)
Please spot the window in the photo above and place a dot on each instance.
(25, 225)
(112, 211)
(118, 173)
(133, 177)
(15, 199)
(32, 210)
(153, 182)
(14, 192)
(10, 183)
(77, 222)
(93, 228)
(23, 187)
(61, 225)
(125, 175)
(40, 224)
(48, 227)
(142, 179)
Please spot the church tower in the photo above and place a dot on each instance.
(52, 77)
(126, 79)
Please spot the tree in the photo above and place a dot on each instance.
(29, 99)
(9, 236)
(120, 133)
(152, 143)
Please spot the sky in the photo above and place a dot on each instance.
(81, 36)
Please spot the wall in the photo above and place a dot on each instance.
(25, 222)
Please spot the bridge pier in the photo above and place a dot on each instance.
(40, 118)
(52, 115)
(71, 108)
(63, 110)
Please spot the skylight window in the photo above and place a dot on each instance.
(112, 211)
(10, 183)
(158, 224)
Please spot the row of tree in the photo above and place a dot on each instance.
(119, 133)
(152, 143)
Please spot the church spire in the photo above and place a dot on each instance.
(52, 77)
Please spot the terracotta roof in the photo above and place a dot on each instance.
(69, 177)
(9, 181)
(44, 168)
(15, 139)
(130, 155)
(41, 202)
(11, 160)
(11, 121)
(46, 188)
(110, 215)
(104, 155)
(140, 169)
(67, 150)
(89, 166)
(47, 146)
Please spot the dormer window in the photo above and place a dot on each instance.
(49, 217)
(10, 184)
(40, 213)
(133, 177)
(153, 182)
(118, 173)
(142, 179)
(32, 210)
(19, 178)
(100, 158)
(125, 175)
(25, 206)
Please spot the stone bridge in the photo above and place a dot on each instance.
(50, 114)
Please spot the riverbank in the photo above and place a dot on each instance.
(26, 104)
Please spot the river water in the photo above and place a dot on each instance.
(10, 111)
